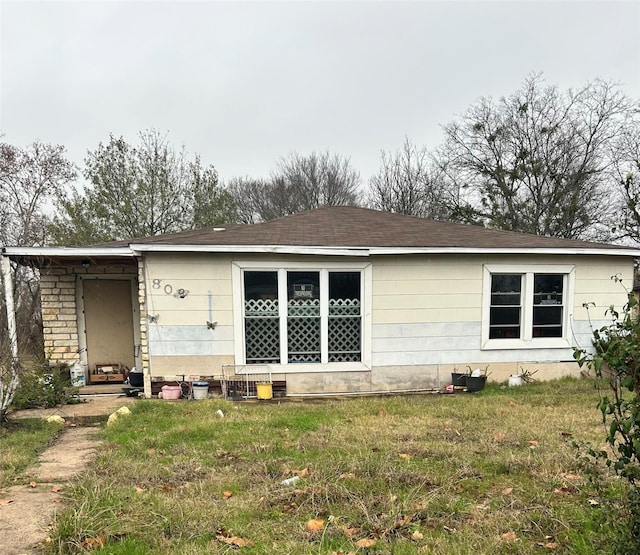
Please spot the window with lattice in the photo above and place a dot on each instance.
(301, 317)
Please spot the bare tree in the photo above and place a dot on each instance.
(318, 179)
(29, 178)
(537, 161)
(299, 183)
(409, 182)
(626, 172)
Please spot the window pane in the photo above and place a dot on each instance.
(303, 316)
(261, 321)
(505, 309)
(547, 289)
(547, 305)
(344, 317)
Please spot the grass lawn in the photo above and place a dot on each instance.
(20, 443)
(492, 472)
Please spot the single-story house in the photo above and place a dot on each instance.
(331, 301)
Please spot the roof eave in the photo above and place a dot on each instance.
(69, 252)
(134, 250)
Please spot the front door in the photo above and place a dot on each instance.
(108, 317)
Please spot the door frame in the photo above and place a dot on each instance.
(135, 314)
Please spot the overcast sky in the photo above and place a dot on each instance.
(245, 83)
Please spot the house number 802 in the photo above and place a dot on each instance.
(168, 289)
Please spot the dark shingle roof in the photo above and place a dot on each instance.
(348, 226)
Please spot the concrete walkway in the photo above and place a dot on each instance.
(28, 510)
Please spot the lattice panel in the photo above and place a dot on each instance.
(304, 339)
(261, 307)
(344, 339)
(344, 307)
(262, 338)
(306, 307)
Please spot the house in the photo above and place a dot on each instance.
(334, 300)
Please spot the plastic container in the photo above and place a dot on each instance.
(515, 381)
(77, 375)
(264, 391)
(171, 392)
(291, 481)
(200, 390)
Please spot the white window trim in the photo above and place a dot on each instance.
(284, 367)
(527, 341)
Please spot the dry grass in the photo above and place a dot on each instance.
(490, 472)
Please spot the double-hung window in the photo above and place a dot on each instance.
(302, 316)
(526, 306)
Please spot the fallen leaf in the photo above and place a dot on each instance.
(499, 436)
(417, 536)
(139, 490)
(166, 488)
(33, 484)
(6, 501)
(405, 456)
(509, 536)
(56, 489)
(566, 434)
(227, 494)
(512, 404)
(507, 491)
(563, 490)
(94, 543)
(235, 541)
(594, 502)
(550, 545)
(347, 475)
(365, 542)
(350, 531)
(304, 473)
(315, 524)
(382, 412)
(400, 522)
(151, 451)
(533, 443)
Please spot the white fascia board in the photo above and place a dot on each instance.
(271, 249)
(544, 251)
(69, 252)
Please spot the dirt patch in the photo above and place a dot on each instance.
(91, 406)
(28, 511)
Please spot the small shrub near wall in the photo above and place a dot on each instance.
(45, 386)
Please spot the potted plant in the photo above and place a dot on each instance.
(477, 379)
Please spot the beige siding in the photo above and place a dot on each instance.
(204, 280)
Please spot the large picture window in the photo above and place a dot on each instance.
(302, 316)
(526, 306)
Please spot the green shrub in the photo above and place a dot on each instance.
(44, 387)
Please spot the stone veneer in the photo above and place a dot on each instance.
(59, 308)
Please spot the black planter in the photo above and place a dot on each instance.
(476, 383)
(458, 380)
(136, 379)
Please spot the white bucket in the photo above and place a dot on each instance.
(515, 380)
(200, 390)
(77, 375)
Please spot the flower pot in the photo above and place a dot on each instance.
(458, 380)
(476, 383)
